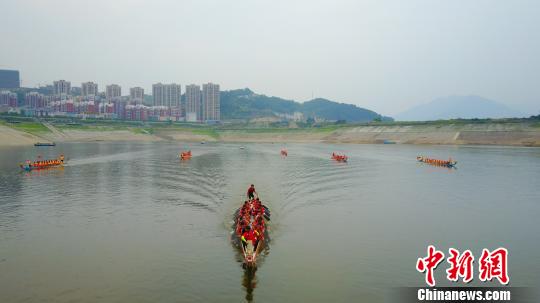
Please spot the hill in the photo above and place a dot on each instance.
(453, 107)
(245, 104)
(331, 110)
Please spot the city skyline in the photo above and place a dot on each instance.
(63, 99)
(91, 88)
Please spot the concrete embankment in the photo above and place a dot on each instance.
(518, 134)
(512, 134)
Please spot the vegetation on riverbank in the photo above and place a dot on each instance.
(525, 131)
(31, 127)
(68, 123)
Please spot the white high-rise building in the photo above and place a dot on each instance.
(113, 91)
(62, 88)
(166, 95)
(89, 89)
(193, 103)
(136, 94)
(211, 102)
(35, 100)
(8, 98)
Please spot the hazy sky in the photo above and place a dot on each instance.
(382, 55)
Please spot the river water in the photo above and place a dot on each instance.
(129, 222)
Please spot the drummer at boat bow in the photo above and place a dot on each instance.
(251, 192)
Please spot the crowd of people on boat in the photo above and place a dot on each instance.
(448, 162)
(185, 155)
(43, 163)
(339, 158)
(250, 221)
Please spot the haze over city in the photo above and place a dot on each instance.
(383, 55)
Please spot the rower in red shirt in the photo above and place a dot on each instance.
(250, 234)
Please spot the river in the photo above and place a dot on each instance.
(130, 222)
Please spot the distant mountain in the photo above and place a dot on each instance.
(453, 107)
(245, 104)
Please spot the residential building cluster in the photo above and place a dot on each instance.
(167, 102)
(8, 99)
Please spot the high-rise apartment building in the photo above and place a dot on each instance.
(89, 89)
(136, 94)
(8, 98)
(211, 102)
(35, 100)
(193, 103)
(62, 88)
(113, 91)
(166, 94)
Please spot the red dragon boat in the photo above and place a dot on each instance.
(185, 155)
(339, 158)
(250, 229)
(446, 163)
(42, 164)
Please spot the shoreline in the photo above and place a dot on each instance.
(515, 134)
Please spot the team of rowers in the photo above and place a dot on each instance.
(250, 221)
(339, 158)
(344, 158)
(185, 155)
(448, 162)
(43, 163)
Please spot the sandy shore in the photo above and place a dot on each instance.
(12, 137)
(93, 136)
(512, 134)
